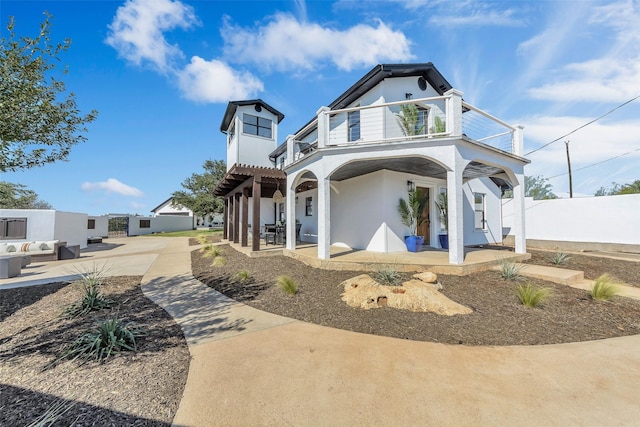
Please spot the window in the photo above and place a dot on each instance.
(282, 212)
(354, 125)
(479, 215)
(91, 225)
(254, 125)
(281, 161)
(145, 223)
(231, 133)
(13, 228)
(421, 123)
(308, 206)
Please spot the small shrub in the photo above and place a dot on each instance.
(110, 336)
(604, 288)
(287, 284)
(202, 239)
(532, 296)
(211, 250)
(387, 275)
(242, 276)
(510, 270)
(53, 413)
(218, 261)
(560, 258)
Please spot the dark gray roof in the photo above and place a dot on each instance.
(233, 106)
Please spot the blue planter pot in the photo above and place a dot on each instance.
(444, 241)
(414, 243)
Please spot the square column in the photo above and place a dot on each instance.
(290, 201)
(236, 217)
(245, 217)
(255, 213)
(519, 227)
(225, 219)
(456, 216)
(229, 218)
(324, 218)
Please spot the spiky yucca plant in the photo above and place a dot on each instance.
(560, 258)
(532, 296)
(387, 275)
(604, 288)
(510, 270)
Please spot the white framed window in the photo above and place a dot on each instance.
(479, 221)
(354, 125)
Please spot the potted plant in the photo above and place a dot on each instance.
(410, 211)
(443, 210)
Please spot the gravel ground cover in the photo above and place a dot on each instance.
(132, 389)
(498, 318)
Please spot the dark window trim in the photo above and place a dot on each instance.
(261, 126)
(308, 206)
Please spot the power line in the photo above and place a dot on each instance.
(597, 163)
(584, 125)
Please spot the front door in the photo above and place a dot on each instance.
(424, 223)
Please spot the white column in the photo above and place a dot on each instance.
(454, 112)
(324, 218)
(517, 141)
(456, 215)
(323, 127)
(519, 227)
(290, 150)
(290, 202)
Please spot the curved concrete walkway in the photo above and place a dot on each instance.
(253, 368)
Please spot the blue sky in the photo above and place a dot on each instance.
(161, 72)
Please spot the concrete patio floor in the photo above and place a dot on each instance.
(342, 258)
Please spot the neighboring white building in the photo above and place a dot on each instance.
(167, 208)
(343, 173)
(29, 225)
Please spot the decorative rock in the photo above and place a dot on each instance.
(427, 277)
(364, 292)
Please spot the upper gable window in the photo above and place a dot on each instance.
(254, 125)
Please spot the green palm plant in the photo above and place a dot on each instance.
(409, 119)
(411, 210)
(443, 209)
(439, 126)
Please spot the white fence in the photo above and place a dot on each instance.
(597, 223)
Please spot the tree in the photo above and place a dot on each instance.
(538, 187)
(17, 196)
(616, 189)
(199, 195)
(39, 122)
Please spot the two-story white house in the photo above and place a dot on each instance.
(342, 174)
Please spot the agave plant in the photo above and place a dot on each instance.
(411, 210)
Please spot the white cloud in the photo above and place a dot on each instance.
(215, 81)
(478, 17)
(112, 185)
(137, 31)
(614, 77)
(286, 44)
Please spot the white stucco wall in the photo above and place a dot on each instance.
(493, 231)
(607, 219)
(101, 226)
(309, 224)
(49, 224)
(159, 224)
(254, 150)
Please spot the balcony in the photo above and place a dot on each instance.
(424, 119)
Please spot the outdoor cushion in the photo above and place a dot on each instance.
(9, 248)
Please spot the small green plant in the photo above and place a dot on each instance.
(110, 336)
(54, 413)
(532, 296)
(387, 275)
(218, 261)
(287, 284)
(604, 288)
(242, 276)
(202, 239)
(211, 250)
(560, 258)
(510, 270)
(92, 298)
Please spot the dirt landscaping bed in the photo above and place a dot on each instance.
(498, 318)
(133, 389)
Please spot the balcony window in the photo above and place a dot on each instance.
(354, 125)
(254, 125)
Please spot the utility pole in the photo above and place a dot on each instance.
(566, 143)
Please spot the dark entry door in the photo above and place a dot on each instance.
(425, 221)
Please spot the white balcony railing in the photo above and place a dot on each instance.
(408, 120)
